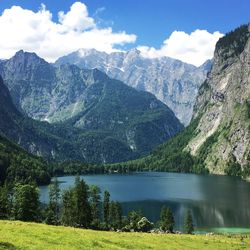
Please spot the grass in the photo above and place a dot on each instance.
(18, 235)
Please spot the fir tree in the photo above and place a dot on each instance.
(95, 203)
(26, 202)
(106, 205)
(189, 227)
(167, 219)
(53, 210)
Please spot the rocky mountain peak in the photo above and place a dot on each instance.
(173, 82)
(27, 57)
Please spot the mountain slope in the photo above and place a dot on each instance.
(173, 82)
(218, 137)
(92, 117)
(18, 165)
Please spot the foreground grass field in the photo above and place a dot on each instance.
(19, 235)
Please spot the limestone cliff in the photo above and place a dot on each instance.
(223, 104)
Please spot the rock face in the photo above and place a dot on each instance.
(173, 82)
(218, 138)
(223, 104)
(92, 117)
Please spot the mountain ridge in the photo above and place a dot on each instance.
(173, 82)
(89, 112)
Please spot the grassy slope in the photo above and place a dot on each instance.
(19, 235)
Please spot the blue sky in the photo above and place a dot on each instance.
(152, 21)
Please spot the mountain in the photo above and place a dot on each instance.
(218, 137)
(173, 82)
(39, 138)
(91, 117)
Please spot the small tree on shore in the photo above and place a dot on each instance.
(167, 219)
(189, 226)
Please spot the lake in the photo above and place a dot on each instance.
(218, 203)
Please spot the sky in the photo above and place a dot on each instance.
(183, 29)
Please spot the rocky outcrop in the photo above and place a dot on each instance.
(173, 82)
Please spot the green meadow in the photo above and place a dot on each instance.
(20, 235)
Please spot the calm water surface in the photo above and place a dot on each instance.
(217, 202)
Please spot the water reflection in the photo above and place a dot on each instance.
(215, 201)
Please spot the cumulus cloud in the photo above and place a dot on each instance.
(194, 48)
(37, 32)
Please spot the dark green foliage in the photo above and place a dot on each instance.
(233, 167)
(76, 168)
(106, 208)
(26, 202)
(95, 204)
(5, 204)
(167, 219)
(76, 209)
(53, 210)
(20, 166)
(82, 206)
(233, 43)
(188, 224)
(115, 215)
(68, 208)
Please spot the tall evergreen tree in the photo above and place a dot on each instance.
(26, 202)
(82, 206)
(68, 208)
(167, 219)
(106, 205)
(53, 210)
(115, 215)
(188, 225)
(95, 204)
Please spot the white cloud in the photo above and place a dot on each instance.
(194, 48)
(77, 18)
(37, 32)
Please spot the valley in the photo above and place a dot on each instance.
(108, 142)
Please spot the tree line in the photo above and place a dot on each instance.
(79, 206)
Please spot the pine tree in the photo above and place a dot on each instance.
(115, 215)
(68, 208)
(189, 227)
(167, 219)
(106, 205)
(26, 202)
(54, 203)
(95, 203)
(82, 206)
